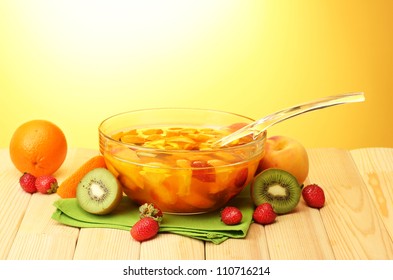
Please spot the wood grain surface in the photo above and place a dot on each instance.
(355, 224)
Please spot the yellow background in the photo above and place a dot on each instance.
(78, 62)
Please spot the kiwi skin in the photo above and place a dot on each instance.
(277, 187)
(99, 192)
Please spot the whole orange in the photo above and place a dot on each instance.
(38, 147)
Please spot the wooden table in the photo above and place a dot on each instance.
(356, 222)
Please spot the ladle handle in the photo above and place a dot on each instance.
(261, 125)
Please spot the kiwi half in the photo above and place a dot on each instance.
(277, 187)
(99, 192)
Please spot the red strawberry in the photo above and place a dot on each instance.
(27, 182)
(264, 214)
(231, 215)
(314, 196)
(241, 177)
(150, 210)
(203, 171)
(46, 184)
(144, 229)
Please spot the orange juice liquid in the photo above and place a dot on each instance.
(176, 168)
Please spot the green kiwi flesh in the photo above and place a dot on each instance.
(99, 192)
(277, 187)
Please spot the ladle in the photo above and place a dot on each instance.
(257, 127)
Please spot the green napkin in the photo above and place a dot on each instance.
(207, 227)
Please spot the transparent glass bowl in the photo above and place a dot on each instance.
(180, 181)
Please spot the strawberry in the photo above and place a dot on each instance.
(144, 229)
(264, 214)
(203, 171)
(231, 215)
(241, 177)
(150, 210)
(46, 184)
(27, 182)
(314, 196)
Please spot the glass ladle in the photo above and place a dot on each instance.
(257, 127)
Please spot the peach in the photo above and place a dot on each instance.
(285, 153)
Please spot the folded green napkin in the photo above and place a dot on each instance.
(207, 227)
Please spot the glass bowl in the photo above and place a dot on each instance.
(163, 156)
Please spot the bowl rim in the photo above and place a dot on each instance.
(260, 139)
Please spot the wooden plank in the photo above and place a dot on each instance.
(299, 235)
(376, 168)
(253, 247)
(40, 237)
(168, 246)
(106, 244)
(352, 222)
(356, 222)
(13, 203)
